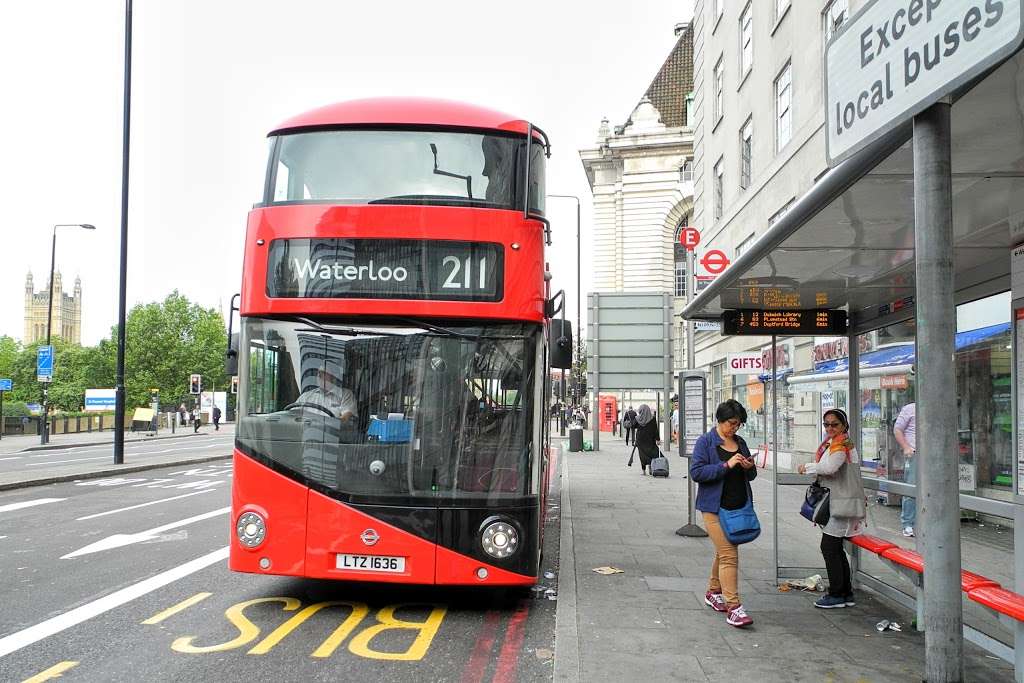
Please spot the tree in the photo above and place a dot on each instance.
(9, 350)
(166, 342)
(16, 409)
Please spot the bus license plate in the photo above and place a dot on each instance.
(370, 563)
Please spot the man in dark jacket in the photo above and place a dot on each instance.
(216, 418)
(629, 422)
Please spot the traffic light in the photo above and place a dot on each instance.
(234, 384)
(195, 384)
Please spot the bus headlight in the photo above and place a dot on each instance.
(251, 529)
(499, 539)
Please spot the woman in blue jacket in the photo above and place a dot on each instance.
(722, 467)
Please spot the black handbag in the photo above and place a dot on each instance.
(815, 507)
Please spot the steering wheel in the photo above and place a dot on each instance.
(314, 406)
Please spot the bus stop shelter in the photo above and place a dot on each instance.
(852, 243)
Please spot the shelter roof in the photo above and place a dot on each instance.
(849, 242)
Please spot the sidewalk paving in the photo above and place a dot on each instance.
(650, 622)
(92, 469)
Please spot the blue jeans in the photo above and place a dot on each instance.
(908, 513)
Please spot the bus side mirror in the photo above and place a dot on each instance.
(231, 356)
(560, 344)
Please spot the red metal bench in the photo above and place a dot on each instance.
(871, 543)
(905, 558)
(970, 581)
(1007, 604)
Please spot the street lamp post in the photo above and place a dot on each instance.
(579, 332)
(44, 433)
(123, 285)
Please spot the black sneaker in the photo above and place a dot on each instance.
(850, 602)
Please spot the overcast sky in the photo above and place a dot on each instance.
(210, 79)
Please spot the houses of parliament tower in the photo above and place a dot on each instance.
(67, 311)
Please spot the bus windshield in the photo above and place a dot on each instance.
(405, 167)
(402, 410)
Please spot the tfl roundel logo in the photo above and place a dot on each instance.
(369, 537)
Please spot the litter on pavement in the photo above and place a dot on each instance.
(886, 625)
(811, 583)
(607, 570)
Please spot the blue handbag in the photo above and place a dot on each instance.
(740, 526)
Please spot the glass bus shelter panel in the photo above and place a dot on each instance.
(983, 361)
(987, 549)
(394, 411)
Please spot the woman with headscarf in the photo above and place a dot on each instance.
(647, 439)
(837, 467)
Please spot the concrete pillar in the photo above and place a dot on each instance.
(938, 493)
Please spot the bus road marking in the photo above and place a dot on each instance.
(29, 503)
(141, 505)
(54, 671)
(359, 645)
(180, 607)
(61, 622)
(427, 629)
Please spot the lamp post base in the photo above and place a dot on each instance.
(691, 531)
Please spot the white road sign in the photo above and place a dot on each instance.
(897, 57)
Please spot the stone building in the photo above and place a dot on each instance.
(640, 174)
(67, 311)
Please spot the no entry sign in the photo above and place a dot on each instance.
(689, 238)
(715, 261)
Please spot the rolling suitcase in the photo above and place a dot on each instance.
(659, 466)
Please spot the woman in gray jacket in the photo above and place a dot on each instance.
(837, 466)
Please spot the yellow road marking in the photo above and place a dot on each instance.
(360, 644)
(171, 611)
(247, 631)
(358, 611)
(54, 671)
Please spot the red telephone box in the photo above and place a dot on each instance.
(608, 409)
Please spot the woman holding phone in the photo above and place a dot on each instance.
(837, 467)
(722, 467)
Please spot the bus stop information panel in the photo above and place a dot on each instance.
(823, 322)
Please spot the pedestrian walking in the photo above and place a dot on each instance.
(837, 467)
(723, 468)
(181, 415)
(905, 432)
(195, 420)
(675, 424)
(629, 423)
(647, 439)
(216, 418)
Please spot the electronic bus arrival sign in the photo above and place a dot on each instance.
(822, 322)
(896, 58)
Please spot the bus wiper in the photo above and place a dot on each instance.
(317, 327)
(438, 329)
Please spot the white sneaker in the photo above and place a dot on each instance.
(908, 531)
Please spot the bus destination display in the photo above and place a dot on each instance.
(338, 268)
(811, 322)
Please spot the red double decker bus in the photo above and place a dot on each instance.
(392, 352)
